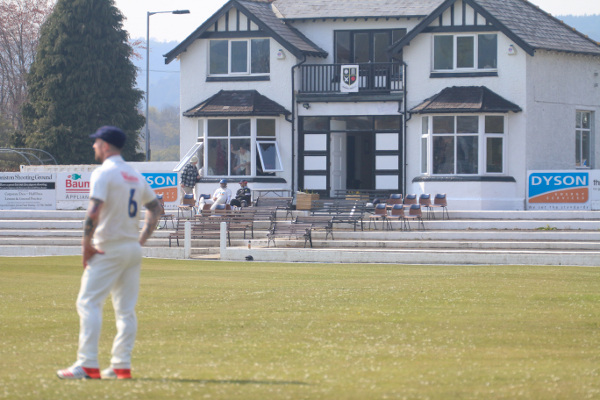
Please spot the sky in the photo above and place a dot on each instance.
(169, 27)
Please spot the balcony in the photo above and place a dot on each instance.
(383, 80)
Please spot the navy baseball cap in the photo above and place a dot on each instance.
(223, 181)
(110, 134)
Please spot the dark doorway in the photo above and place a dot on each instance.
(360, 161)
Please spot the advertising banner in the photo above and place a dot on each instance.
(563, 190)
(164, 183)
(27, 191)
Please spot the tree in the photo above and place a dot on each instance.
(20, 23)
(82, 78)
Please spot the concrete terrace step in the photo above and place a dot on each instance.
(424, 256)
(471, 237)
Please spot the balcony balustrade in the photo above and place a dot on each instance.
(373, 78)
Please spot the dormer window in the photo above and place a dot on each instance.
(239, 57)
(459, 53)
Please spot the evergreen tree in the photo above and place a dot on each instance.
(82, 78)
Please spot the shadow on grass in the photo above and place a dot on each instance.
(221, 381)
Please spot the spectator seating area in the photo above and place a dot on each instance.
(348, 212)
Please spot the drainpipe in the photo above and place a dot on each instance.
(406, 118)
(293, 125)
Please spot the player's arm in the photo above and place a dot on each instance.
(91, 223)
(153, 212)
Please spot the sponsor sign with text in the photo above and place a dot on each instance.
(27, 191)
(558, 190)
(164, 183)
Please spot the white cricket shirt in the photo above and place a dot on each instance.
(124, 191)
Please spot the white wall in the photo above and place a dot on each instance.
(195, 89)
(510, 84)
(559, 84)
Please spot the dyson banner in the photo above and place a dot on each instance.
(563, 190)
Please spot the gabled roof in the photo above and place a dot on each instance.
(318, 9)
(527, 25)
(236, 103)
(261, 13)
(466, 99)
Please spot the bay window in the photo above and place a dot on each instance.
(451, 144)
(239, 56)
(241, 147)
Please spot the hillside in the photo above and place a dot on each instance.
(587, 24)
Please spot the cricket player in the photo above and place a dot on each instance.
(112, 262)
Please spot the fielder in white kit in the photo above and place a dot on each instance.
(112, 263)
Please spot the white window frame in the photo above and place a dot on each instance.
(455, 68)
(229, 58)
(254, 138)
(578, 131)
(196, 148)
(277, 154)
(427, 137)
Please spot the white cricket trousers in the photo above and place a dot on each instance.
(117, 272)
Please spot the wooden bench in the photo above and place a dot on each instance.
(289, 230)
(341, 211)
(317, 222)
(238, 220)
(201, 228)
(209, 227)
(366, 195)
(277, 203)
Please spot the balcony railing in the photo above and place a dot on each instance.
(373, 78)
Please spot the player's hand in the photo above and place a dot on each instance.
(88, 253)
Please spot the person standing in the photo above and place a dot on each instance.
(190, 176)
(112, 262)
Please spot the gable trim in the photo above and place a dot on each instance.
(423, 26)
(213, 21)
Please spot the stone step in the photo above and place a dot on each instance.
(419, 256)
(429, 225)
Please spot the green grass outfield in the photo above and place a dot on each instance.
(219, 330)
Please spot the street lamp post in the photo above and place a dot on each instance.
(148, 14)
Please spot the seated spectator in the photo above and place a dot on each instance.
(221, 196)
(243, 196)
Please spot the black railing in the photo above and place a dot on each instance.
(372, 78)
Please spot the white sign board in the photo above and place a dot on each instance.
(350, 78)
(73, 190)
(33, 191)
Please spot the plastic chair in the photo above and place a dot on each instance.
(188, 203)
(380, 214)
(441, 201)
(164, 216)
(395, 198)
(409, 200)
(425, 202)
(414, 212)
(397, 213)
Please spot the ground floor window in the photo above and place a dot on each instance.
(583, 136)
(462, 144)
(240, 147)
